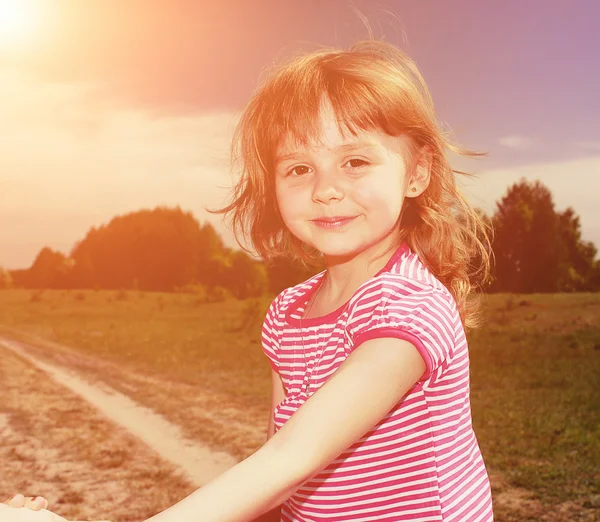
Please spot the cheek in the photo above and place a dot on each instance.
(286, 203)
(379, 197)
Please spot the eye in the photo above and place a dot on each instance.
(356, 163)
(298, 170)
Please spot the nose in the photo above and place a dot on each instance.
(327, 186)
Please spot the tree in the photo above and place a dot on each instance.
(582, 270)
(536, 248)
(48, 270)
(248, 277)
(157, 250)
(213, 261)
(154, 250)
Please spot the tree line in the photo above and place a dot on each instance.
(535, 249)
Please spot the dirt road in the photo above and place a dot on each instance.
(198, 462)
(92, 451)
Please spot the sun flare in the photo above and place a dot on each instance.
(17, 20)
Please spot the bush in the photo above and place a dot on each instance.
(252, 315)
(191, 288)
(218, 294)
(6, 280)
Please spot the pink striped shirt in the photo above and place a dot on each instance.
(421, 462)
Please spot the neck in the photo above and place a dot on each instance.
(345, 274)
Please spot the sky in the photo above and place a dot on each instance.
(111, 106)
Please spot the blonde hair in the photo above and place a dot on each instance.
(372, 86)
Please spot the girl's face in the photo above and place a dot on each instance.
(344, 195)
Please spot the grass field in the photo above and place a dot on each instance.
(535, 368)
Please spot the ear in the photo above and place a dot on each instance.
(420, 174)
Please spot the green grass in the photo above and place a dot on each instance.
(535, 367)
(535, 370)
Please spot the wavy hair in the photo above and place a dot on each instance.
(371, 86)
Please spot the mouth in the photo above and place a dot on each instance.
(333, 222)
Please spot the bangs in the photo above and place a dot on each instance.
(292, 106)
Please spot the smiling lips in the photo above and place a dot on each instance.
(333, 222)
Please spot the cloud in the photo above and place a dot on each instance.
(516, 142)
(67, 164)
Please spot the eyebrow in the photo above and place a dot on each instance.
(346, 147)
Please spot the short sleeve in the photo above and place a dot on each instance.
(422, 315)
(270, 333)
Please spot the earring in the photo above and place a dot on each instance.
(414, 189)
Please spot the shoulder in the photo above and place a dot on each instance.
(404, 293)
(396, 296)
(407, 281)
(410, 304)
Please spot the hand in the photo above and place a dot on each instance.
(34, 503)
(24, 514)
(30, 509)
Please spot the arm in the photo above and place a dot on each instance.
(358, 395)
(277, 395)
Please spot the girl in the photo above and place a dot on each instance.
(343, 163)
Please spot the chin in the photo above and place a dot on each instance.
(346, 247)
(340, 248)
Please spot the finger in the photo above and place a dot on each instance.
(17, 501)
(36, 503)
